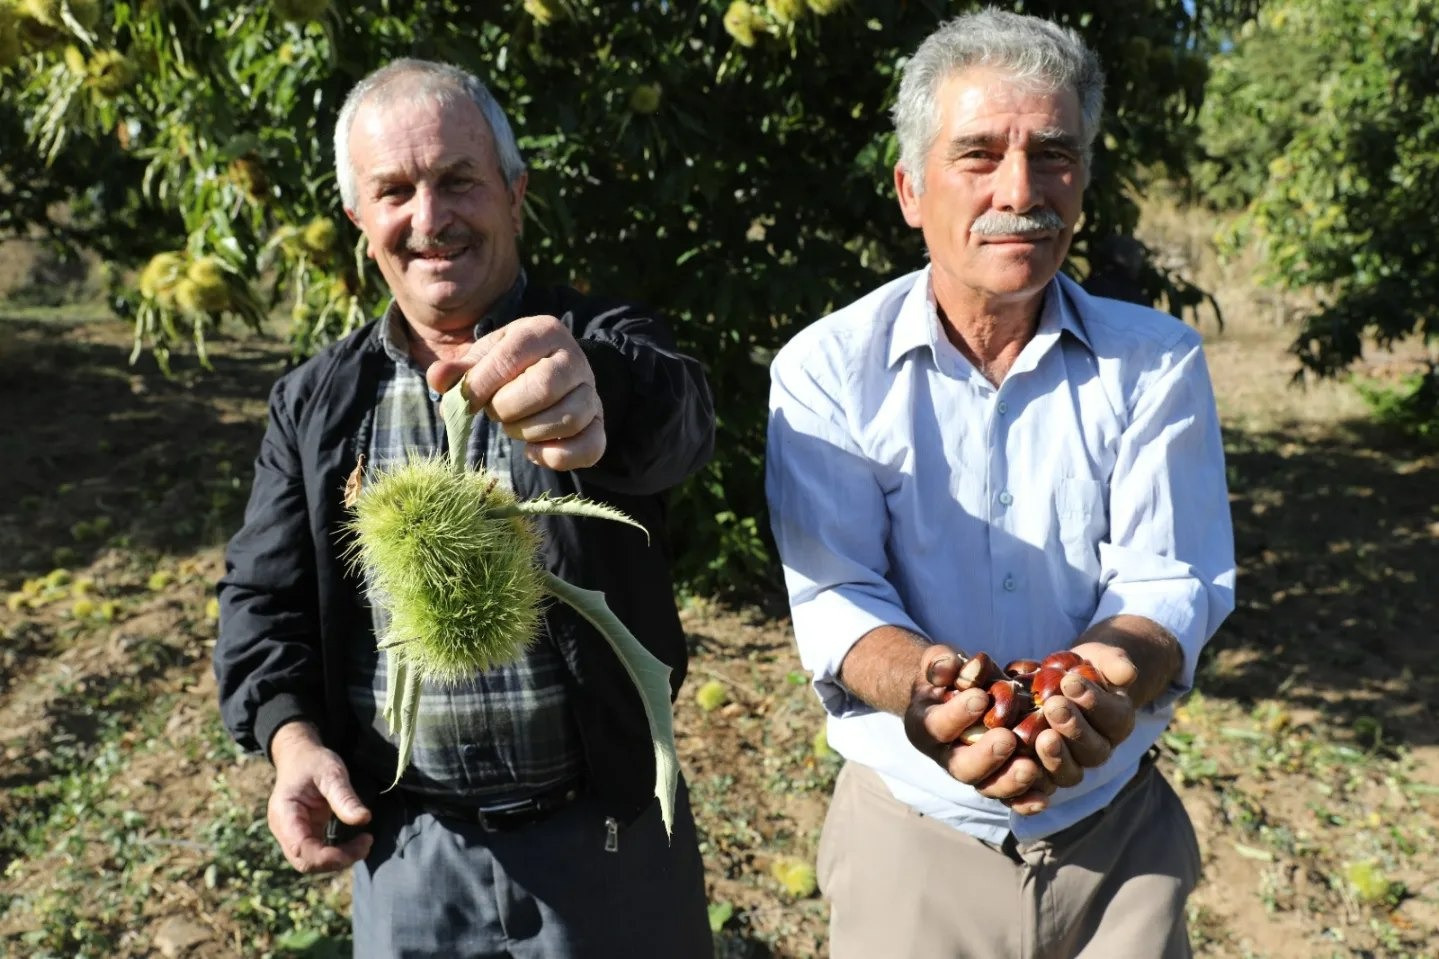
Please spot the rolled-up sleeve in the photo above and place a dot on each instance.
(1170, 553)
(830, 524)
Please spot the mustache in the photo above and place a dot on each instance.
(444, 240)
(999, 223)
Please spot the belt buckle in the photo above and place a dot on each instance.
(500, 818)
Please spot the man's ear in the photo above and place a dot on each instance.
(904, 189)
(355, 219)
(517, 202)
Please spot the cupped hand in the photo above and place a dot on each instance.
(531, 377)
(937, 716)
(1087, 720)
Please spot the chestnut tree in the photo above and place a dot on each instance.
(727, 162)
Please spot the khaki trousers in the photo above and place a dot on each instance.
(904, 886)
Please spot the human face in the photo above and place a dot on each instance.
(1001, 148)
(438, 218)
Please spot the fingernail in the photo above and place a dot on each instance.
(1059, 714)
(1072, 686)
(941, 661)
(1001, 749)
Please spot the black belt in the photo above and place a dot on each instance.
(502, 817)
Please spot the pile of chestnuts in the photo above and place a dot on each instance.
(1017, 691)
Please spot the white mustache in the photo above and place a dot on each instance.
(416, 243)
(999, 223)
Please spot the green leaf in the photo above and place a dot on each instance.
(719, 914)
(455, 409)
(650, 676)
(402, 707)
(571, 506)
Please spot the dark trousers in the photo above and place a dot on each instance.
(439, 887)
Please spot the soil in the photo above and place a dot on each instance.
(1313, 742)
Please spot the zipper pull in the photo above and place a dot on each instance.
(612, 834)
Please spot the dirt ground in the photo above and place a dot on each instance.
(128, 827)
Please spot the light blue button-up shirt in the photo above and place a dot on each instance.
(907, 490)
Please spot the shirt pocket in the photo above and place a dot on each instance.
(1083, 520)
(1083, 514)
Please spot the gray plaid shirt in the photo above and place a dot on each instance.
(507, 732)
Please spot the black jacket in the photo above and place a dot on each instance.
(289, 603)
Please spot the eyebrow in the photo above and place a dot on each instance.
(1048, 137)
(392, 174)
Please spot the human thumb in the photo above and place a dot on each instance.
(341, 796)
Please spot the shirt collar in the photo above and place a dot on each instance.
(396, 336)
(917, 325)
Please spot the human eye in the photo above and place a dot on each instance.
(974, 156)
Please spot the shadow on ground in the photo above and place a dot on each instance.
(1338, 545)
(101, 452)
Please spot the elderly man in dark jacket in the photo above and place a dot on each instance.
(526, 823)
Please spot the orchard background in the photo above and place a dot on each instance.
(166, 174)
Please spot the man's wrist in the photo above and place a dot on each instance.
(293, 736)
(1156, 653)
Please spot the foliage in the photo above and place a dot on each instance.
(1260, 95)
(1344, 91)
(1411, 406)
(727, 162)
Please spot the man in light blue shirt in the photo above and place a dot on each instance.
(980, 456)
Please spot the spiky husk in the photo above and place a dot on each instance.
(463, 587)
(158, 279)
(645, 98)
(110, 72)
(544, 12)
(743, 22)
(319, 236)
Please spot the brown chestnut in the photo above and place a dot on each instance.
(979, 670)
(1086, 669)
(1045, 684)
(1029, 729)
(1010, 703)
(1021, 667)
(1064, 659)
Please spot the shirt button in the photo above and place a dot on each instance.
(1009, 584)
(1003, 407)
(1005, 498)
(471, 752)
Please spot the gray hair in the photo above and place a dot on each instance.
(409, 80)
(1032, 51)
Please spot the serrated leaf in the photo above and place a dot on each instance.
(455, 410)
(572, 506)
(650, 676)
(404, 687)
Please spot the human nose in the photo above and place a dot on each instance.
(430, 213)
(1014, 191)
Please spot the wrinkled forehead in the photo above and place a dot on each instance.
(984, 96)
